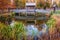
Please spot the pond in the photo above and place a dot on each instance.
(32, 29)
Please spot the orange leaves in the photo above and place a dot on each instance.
(6, 4)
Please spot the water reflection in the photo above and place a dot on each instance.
(12, 24)
(44, 29)
(32, 30)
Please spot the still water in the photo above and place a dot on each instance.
(32, 30)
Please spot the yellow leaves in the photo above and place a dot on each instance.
(2, 25)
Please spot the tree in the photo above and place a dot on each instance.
(20, 3)
(6, 4)
(40, 4)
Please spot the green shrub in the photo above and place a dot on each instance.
(57, 12)
(15, 33)
(51, 22)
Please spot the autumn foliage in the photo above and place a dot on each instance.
(6, 4)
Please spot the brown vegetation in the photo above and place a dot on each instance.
(6, 4)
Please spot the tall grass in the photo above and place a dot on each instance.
(16, 33)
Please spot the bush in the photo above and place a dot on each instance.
(51, 23)
(15, 33)
(57, 12)
(44, 4)
(47, 4)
